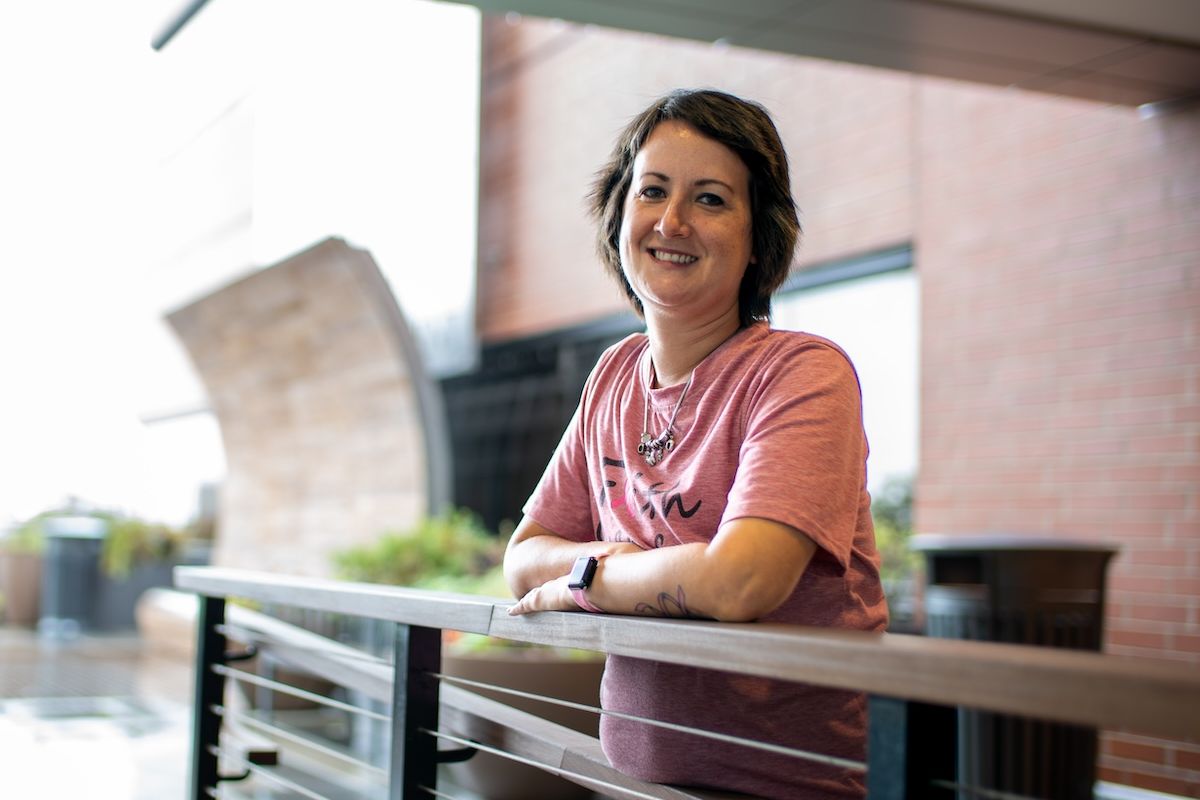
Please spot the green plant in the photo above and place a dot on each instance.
(28, 537)
(128, 541)
(448, 552)
(900, 567)
(131, 541)
(891, 508)
(898, 561)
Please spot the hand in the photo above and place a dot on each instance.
(552, 595)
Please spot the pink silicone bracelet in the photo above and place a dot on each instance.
(582, 601)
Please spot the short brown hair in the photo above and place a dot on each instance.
(745, 128)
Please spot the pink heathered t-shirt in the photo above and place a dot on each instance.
(771, 427)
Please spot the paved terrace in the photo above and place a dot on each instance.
(97, 717)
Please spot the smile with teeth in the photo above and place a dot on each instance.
(674, 258)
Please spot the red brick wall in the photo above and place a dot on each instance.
(1057, 247)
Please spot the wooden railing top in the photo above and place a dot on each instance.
(1153, 697)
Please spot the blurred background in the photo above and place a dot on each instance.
(312, 271)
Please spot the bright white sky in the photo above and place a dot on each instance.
(84, 352)
(71, 175)
(876, 320)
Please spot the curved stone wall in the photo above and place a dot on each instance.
(333, 432)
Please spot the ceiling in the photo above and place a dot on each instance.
(1117, 51)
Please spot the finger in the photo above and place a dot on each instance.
(526, 604)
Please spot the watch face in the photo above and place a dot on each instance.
(582, 572)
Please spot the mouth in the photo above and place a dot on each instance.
(673, 257)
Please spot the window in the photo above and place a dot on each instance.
(871, 308)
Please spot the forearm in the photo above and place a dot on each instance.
(744, 573)
(691, 580)
(530, 562)
(666, 582)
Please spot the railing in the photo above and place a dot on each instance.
(914, 684)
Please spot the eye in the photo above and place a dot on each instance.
(652, 193)
(710, 199)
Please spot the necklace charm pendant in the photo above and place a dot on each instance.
(655, 450)
(652, 449)
(653, 453)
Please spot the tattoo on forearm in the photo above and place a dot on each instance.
(668, 606)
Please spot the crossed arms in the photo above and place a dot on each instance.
(749, 568)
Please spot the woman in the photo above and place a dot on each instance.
(715, 467)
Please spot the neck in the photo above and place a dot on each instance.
(677, 347)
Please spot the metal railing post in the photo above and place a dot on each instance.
(208, 692)
(909, 745)
(414, 708)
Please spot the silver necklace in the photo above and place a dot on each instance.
(655, 449)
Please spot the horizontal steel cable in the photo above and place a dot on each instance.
(247, 635)
(255, 769)
(304, 741)
(564, 773)
(288, 689)
(820, 758)
(832, 761)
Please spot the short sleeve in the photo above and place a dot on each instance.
(802, 459)
(562, 501)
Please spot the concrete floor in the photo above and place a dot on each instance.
(101, 717)
(96, 717)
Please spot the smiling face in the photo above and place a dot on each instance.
(686, 229)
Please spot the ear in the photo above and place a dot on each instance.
(753, 259)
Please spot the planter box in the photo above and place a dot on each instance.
(20, 583)
(116, 598)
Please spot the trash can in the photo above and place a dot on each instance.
(1025, 590)
(70, 575)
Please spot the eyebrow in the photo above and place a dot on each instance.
(702, 182)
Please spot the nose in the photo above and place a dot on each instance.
(672, 223)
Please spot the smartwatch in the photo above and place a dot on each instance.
(582, 573)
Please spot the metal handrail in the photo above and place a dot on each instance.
(1081, 688)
